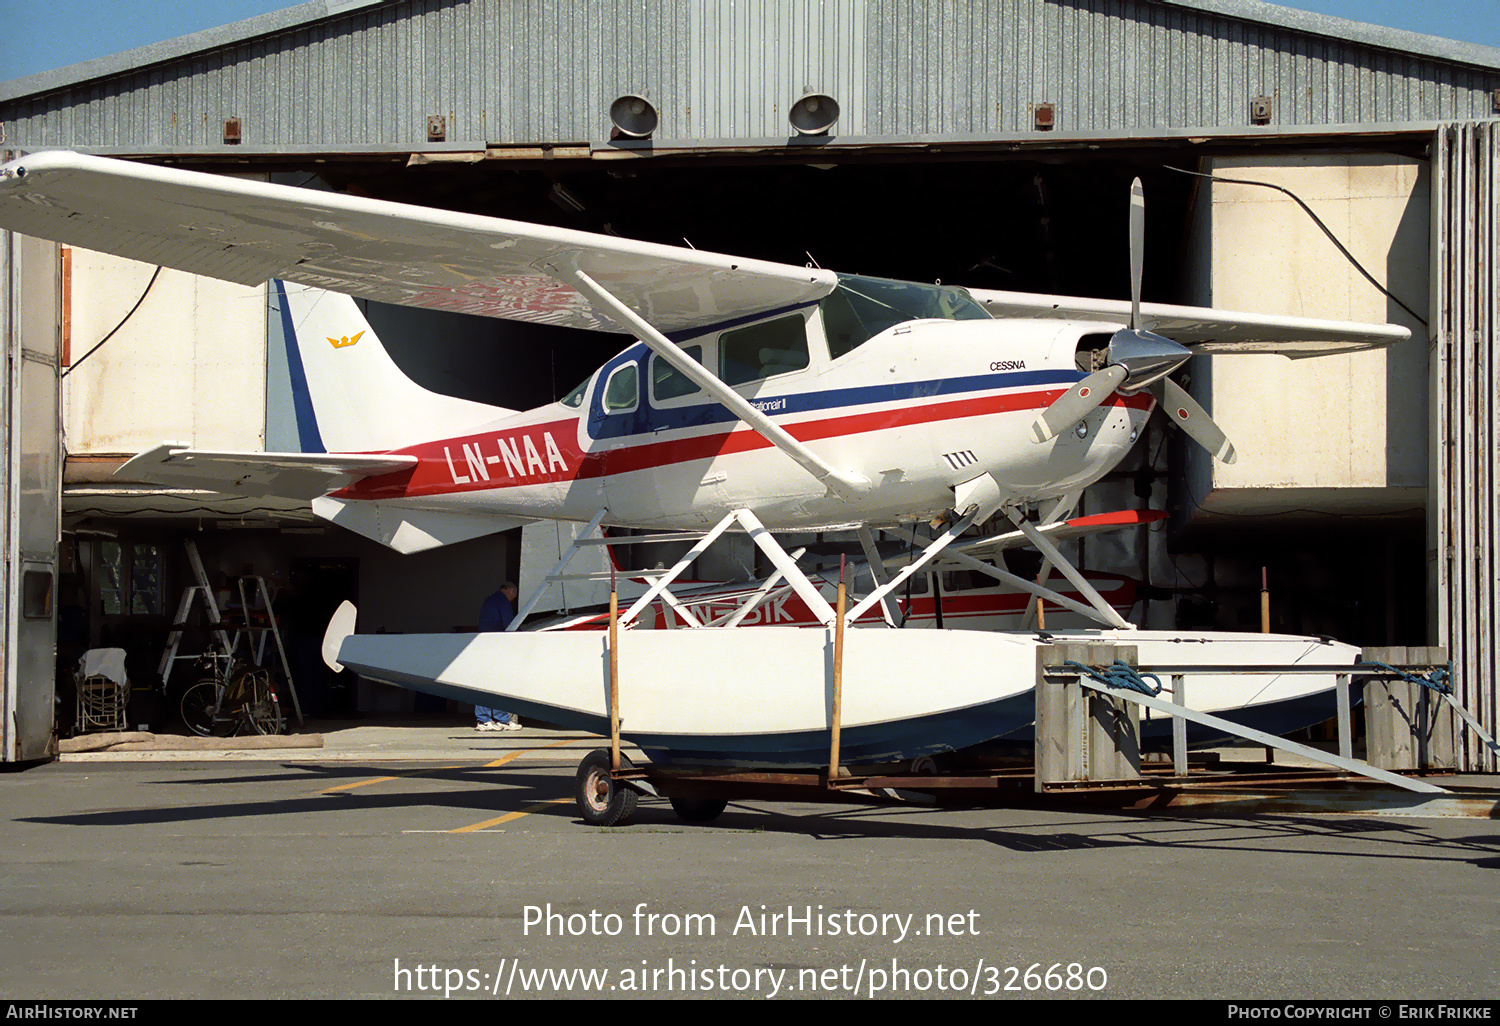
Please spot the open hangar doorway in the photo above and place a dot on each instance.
(1053, 222)
(1055, 225)
(125, 573)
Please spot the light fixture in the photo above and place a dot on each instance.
(633, 116)
(814, 114)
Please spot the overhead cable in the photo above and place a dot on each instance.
(117, 327)
(1316, 220)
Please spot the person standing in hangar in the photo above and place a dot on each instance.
(495, 615)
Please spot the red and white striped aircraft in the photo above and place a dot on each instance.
(805, 397)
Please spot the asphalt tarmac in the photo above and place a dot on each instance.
(340, 873)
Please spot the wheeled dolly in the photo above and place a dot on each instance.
(700, 795)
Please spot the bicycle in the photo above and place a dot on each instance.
(237, 700)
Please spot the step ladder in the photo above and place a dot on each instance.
(204, 591)
(225, 642)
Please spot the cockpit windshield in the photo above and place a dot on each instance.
(575, 397)
(860, 308)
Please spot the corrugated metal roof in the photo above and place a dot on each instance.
(182, 46)
(361, 75)
(1414, 43)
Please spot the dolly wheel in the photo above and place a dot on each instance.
(602, 801)
(698, 810)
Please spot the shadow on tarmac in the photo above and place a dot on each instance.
(511, 789)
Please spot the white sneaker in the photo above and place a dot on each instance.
(490, 725)
(512, 725)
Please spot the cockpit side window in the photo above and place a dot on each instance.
(842, 324)
(763, 350)
(622, 391)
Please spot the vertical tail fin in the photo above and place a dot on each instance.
(347, 393)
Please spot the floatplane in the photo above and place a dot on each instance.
(755, 397)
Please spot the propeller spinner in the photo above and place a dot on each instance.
(1136, 359)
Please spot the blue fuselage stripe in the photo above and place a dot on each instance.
(646, 419)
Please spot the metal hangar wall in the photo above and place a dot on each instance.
(371, 76)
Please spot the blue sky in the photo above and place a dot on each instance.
(38, 37)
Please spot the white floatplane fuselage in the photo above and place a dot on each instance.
(917, 409)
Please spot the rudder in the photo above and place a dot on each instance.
(347, 393)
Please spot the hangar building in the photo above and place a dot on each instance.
(986, 144)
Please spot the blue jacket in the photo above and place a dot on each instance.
(496, 613)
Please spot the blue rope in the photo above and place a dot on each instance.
(1119, 675)
(1439, 680)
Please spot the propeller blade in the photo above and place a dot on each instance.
(1077, 402)
(1137, 249)
(1188, 415)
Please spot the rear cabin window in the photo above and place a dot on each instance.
(667, 382)
(763, 350)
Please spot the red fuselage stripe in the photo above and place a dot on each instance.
(440, 461)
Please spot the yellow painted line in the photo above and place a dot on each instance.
(350, 787)
(381, 780)
(526, 751)
(509, 816)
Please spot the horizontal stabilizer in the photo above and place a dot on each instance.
(1204, 330)
(292, 475)
(1078, 527)
(410, 530)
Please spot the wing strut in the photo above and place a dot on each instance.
(1075, 578)
(877, 571)
(535, 598)
(929, 553)
(842, 484)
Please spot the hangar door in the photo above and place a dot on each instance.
(31, 485)
(1464, 501)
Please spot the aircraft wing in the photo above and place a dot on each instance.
(1202, 329)
(292, 475)
(248, 232)
(309, 476)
